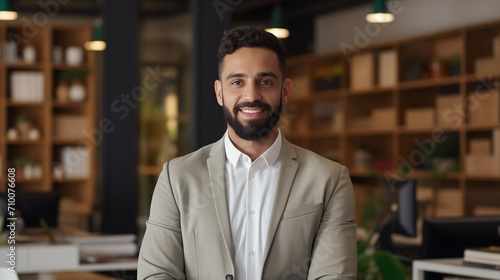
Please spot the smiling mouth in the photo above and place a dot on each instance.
(252, 111)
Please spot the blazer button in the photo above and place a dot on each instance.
(229, 277)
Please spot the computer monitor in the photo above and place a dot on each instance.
(449, 237)
(34, 206)
(399, 214)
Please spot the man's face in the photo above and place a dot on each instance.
(251, 91)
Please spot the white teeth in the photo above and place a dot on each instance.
(251, 111)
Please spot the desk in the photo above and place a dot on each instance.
(47, 259)
(452, 267)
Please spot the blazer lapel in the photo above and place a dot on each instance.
(288, 170)
(217, 171)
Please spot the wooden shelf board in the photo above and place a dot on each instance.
(481, 127)
(372, 91)
(418, 130)
(67, 141)
(471, 78)
(64, 66)
(75, 209)
(26, 142)
(149, 170)
(429, 83)
(59, 104)
(324, 134)
(327, 94)
(482, 177)
(11, 103)
(70, 181)
(25, 66)
(368, 132)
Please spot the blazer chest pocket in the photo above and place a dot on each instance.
(302, 211)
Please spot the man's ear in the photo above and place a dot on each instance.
(287, 90)
(218, 92)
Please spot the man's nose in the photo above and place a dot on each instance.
(252, 93)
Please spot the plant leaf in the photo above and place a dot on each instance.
(389, 267)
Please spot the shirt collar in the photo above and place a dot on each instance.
(269, 156)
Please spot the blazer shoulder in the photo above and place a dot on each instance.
(310, 159)
(192, 159)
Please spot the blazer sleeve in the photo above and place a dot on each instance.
(161, 253)
(334, 253)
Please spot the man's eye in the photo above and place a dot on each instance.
(236, 82)
(266, 82)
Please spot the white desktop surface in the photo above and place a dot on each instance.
(452, 267)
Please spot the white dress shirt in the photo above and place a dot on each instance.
(250, 192)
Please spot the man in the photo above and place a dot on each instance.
(252, 205)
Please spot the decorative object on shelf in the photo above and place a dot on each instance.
(276, 25)
(5, 12)
(362, 158)
(23, 125)
(37, 171)
(77, 91)
(74, 55)
(380, 14)
(12, 134)
(439, 68)
(57, 54)
(58, 172)
(62, 91)
(96, 43)
(454, 65)
(11, 51)
(18, 163)
(34, 134)
(28, 171)
(29, 54)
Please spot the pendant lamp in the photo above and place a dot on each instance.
(96, 43)
(276, 24)
(5, 12)
(380, 13)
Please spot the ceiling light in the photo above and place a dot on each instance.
(96, 43)
(380, 13)
(276, 25)
(5, 12)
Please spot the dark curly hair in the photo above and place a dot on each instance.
(246, 36)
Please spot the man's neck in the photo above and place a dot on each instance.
(253, 148)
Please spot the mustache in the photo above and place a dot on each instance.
(256, 103)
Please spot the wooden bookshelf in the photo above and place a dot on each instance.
(44, 151)
(329, 114)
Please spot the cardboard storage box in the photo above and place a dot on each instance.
(486, 165)
(362, 71)
(420, 118)
(387, 68)
(69, 126)
(487, 65)
(480, 146)
(383, 118)
(484, 107)
(444, 105)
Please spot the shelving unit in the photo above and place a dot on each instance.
(45, 146)
(399, 105)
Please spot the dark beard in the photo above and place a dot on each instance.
(256, 129)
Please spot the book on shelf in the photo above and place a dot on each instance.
(485, 257)
(482, 265)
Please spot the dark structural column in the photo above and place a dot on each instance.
(211, 18)
(119, 117)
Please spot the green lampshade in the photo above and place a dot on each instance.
(276, 24)
(380, 13)
(4, 5)
(5, 12)
(96, 43)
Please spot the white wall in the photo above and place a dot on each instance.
(413, 17)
